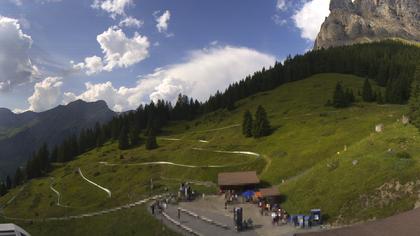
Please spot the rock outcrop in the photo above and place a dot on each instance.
(361, 21)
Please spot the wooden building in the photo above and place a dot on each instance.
(238, 180)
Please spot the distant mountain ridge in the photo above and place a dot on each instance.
(362, 21)
(21, 134)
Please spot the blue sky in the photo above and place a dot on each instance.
(80, 49)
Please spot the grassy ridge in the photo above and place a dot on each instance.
(306, 138)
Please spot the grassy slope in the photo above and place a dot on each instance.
(307, 137)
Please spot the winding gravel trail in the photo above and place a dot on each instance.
(80, 216)
(95, 184)
(57, 193)
(230, 152)
(167, 163)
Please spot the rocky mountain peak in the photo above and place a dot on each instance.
(360, 21)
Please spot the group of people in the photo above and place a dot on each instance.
(230, 197)
(186, 192)
(158, 205)
(275, 211)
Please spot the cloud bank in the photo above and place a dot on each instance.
(202, 74)
(15, 64)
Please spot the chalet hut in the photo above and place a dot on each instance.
(271, 195)
(238, 181)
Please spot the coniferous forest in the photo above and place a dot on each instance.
(390, 64)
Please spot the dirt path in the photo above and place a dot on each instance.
(167, 163)
(94, 184)
(58, 194)
(80, 216)
(230, 152)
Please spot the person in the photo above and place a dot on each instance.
(273, 217)
(226, 203)
(152, 208)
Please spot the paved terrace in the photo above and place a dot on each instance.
(211, 208)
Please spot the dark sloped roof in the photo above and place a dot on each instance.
(269, 192)
(406, 224)
(238, 178)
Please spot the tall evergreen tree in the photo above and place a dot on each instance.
(151, 140)
(8, 182)
(261, 125)
(367, 93)
(340, 98)
(43, 157)
(247, 124)
(414, 102)
(134, 136)
(3, 189)
(380, 98)
(18, 180)
(54, 154)
(123, 139)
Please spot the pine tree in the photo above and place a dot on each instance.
(18, 180)
(367, 93)
(414, 102)
(43, 158)
(123, 139)
(151, 140)
(247, 124)
(3, 189)
(134, 136)
(261, 124)
(54, 154)
(379, 98)
(8, 182)
(340, 98)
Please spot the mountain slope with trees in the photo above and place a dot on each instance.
(304, 144)
(25, 133)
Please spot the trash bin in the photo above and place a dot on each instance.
(316, 217)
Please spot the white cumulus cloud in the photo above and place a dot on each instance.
(113, 7)
(47, 94)
(310, 17)
(162, 22)
(119, 51)
(15, 64)
(131, 22)
(281, 5)
(202, 74)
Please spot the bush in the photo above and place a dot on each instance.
(403, 155)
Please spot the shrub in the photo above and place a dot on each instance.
(403, 155)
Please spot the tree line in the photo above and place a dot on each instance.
(344, 97)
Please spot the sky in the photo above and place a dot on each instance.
(129, 52)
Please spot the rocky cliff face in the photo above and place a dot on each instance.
(360, 21)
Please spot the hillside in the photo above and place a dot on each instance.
(302, 153)
(22, 134)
